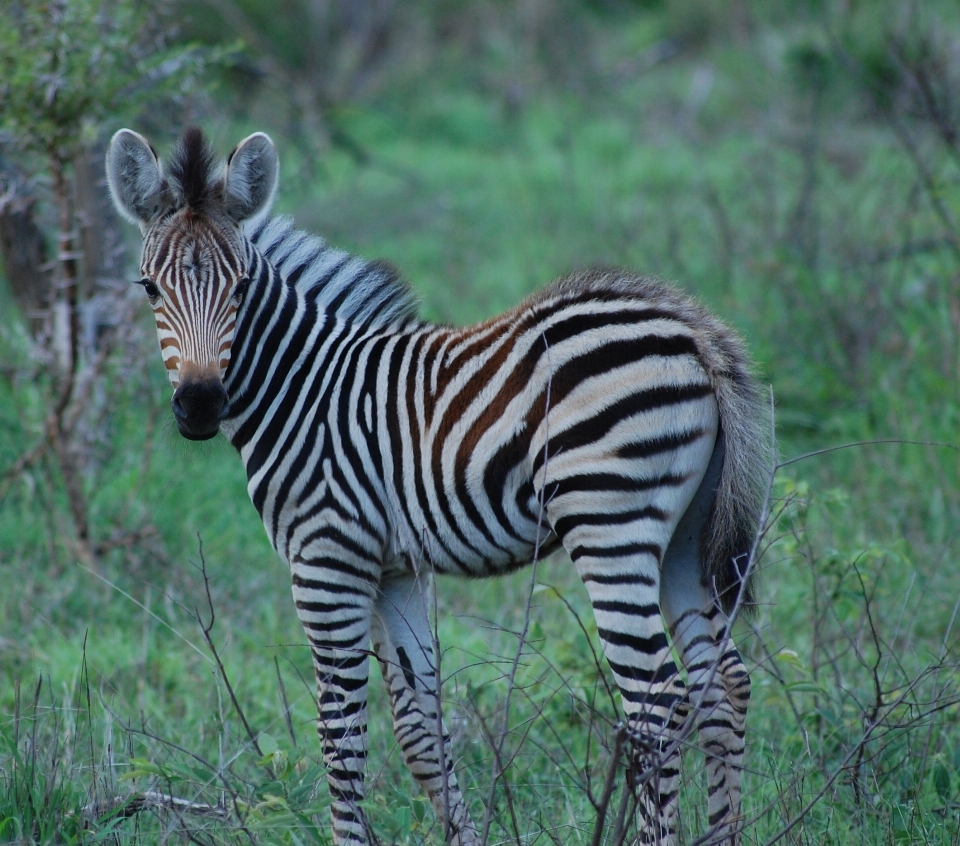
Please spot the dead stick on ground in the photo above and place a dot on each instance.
(128, 806)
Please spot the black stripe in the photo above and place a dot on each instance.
(657, 446)
(326, 566)
(623, 606)
(618, 579)
(619, 551)
(329, 626)
(312, 607)
(578, 324)
(586, 482)
(645, 645)
(599, 424)
(563, 525)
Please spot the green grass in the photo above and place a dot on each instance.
(107, 685)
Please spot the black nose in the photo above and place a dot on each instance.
(198, 406)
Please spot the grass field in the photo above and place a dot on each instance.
(806, 226)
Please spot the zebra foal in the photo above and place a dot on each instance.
(607, 413)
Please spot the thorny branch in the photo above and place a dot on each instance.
(499, 767)
(207, 628)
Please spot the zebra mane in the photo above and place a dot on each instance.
(370, 293)
(192, 170)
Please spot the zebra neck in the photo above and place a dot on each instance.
(277, 330)
(304, 301)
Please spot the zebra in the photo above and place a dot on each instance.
(607, 414)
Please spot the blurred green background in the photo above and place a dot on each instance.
(794, 164)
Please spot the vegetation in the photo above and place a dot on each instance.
(795, 164)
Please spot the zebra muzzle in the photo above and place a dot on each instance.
(198, 406)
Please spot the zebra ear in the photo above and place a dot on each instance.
(135, 177)
(250, 182)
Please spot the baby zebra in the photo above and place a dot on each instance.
(607, 414)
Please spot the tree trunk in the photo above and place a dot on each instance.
(23, 250)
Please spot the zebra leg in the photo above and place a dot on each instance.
(403, 643)
(615, 522)
(623, 581)
(335, 611)
(719, 683)
(720, 694)
(624, 594)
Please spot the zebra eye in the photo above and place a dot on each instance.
(152, 290)
(241, 290)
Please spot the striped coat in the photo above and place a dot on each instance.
(607, 414)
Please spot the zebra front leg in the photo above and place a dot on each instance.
(403, 643)
(335, 610)
(342, 726)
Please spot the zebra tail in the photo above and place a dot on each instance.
(731, 530)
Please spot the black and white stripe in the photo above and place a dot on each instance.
(608, 414)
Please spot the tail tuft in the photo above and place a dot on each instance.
(746, 427)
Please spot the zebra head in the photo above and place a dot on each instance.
(194, 265)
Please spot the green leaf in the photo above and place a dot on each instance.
(942, 782)
(268, 745)
(401, 818)
(804, 687)
(791, 659)
(143, 767)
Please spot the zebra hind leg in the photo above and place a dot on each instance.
(655, 736)
(403, 644)
(616, 527)
(718, 680)
(623, 582)
(719, 695)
